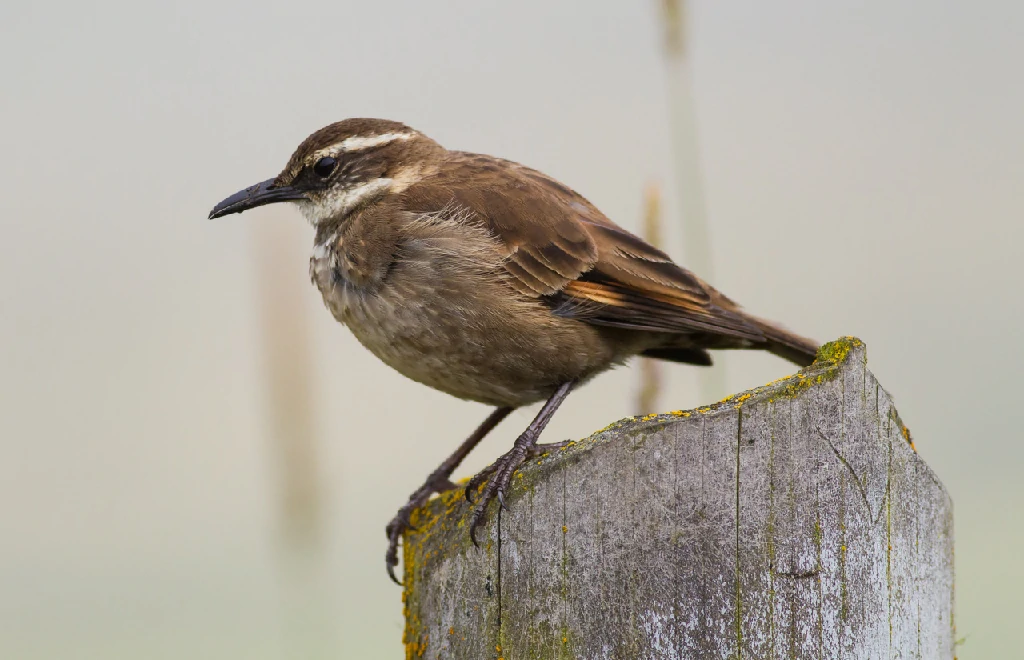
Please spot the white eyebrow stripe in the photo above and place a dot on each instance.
(360, 143)
(356, 143)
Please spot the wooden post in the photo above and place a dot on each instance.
(791, 521)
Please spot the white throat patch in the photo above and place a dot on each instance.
(340, 202)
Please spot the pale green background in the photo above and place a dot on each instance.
(863, 164)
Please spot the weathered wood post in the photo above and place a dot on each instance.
(791, 521)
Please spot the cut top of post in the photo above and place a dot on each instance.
(791, 520)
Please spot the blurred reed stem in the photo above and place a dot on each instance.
(288, 364)
(307, 628)
(650, 370)
(689, 180)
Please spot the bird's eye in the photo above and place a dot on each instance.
(324, 167)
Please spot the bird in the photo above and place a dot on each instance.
(492, 282)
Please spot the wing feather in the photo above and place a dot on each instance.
(560, 248)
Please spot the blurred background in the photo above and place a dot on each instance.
(196, 461)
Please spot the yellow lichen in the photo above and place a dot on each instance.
(416, 648)
(446, 515)
(906, 436)
(835, 352)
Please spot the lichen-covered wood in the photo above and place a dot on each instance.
(791, 521)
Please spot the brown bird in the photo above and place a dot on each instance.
(490, 281)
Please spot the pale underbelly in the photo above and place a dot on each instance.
(480, 345)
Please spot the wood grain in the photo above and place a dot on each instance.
(790, 521)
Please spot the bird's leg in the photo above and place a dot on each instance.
(499, 473)
(438, 482)
(532, 452)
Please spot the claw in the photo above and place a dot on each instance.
(497, 477)
(391, 557)
(472, 530)
(391, 574)
(479, 478)
(473, 486)
(394, 530)
(438, 482)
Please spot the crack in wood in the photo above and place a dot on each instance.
(727, 532)
(856, 479)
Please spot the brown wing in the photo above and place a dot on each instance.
(561, 248)
(546, 250)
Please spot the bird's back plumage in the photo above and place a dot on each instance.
(564, 252)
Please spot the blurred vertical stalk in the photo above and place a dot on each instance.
(285, 326)
(689, 182)
(650, 370)
(279, 257)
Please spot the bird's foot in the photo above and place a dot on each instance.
(498, 475)
(540, 450)
(401, 523)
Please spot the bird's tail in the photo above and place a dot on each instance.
(798, 350)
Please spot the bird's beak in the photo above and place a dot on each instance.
(253, 196)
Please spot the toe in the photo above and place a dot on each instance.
(474, 524)
(391, 574)
(478, 479)
(391, 556)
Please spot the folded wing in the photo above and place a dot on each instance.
(562, 249)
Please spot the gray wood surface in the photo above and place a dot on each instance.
(791, 521)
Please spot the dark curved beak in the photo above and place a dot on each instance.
(253, 196)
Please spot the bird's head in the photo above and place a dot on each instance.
(341, 167)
